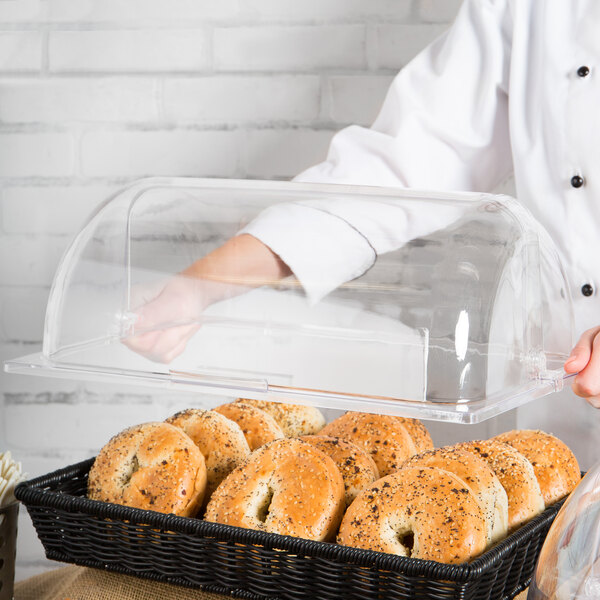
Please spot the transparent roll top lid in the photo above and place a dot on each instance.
(568, 567)
(459, 310)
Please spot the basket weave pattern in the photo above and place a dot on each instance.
(256, 565)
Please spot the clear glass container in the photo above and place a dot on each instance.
(464, 314)
(568, 567)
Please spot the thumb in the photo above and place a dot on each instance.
(581, 353)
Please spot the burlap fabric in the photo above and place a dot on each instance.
(80, 583)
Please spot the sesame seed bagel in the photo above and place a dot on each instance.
(294, 419)
(152, 466)
(287, 487)
(555, 466)
(221, 442)
(479, 477)
(258, 426)
(357, 467)
(422, 512)
(384, 437)
(419, 434)
(516, 475)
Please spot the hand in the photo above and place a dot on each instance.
(585, 361)
(165, 324)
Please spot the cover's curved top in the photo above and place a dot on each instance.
(568, 567)
(466, 317)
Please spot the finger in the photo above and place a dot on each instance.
(180, 348)
(154, 344)
(158, 314)
(170, 340)
(192, 330)
(143, 342)
(594, 401)
(171, 356)
(165, 342)
(581, 353)
(587, 381)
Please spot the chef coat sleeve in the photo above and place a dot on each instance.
(443, 126)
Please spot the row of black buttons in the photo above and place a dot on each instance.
(577, 181)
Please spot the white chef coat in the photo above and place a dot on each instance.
(512, 85)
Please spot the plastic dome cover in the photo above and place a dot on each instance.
(467, 315)
(568, 567)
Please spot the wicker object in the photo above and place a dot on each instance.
(255, 565)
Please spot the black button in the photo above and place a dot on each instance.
(587, 289)
(583, 71)
(577, 181)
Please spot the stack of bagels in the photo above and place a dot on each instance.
(373, 481)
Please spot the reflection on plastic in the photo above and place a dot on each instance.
(569, 564)
(464, 314)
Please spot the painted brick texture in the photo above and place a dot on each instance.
(96, 93)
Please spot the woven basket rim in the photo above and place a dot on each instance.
(39, 492)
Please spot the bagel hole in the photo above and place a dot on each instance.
(407, 539)
(263, 508)
(134, 465)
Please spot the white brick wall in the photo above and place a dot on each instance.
(38, 154)
(110, 153)
(21, 51)
(243, 99)
(129, 50)
(29, 260)
(86, 100)
(290, 48)
(95, 93)
(397, 44)
(57, 210)
(355, 98)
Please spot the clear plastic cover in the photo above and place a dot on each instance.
(469, 315)
(568, 567)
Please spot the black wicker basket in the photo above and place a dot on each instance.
(251, 564)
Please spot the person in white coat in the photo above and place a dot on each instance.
(511, 86)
